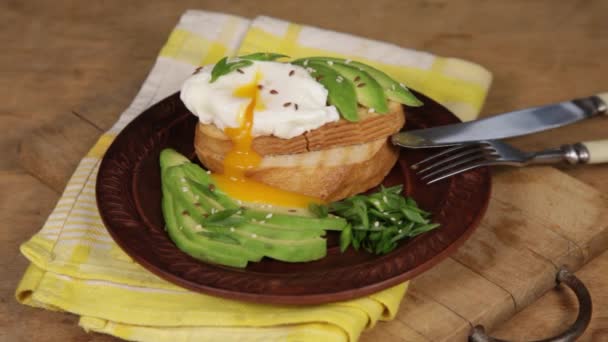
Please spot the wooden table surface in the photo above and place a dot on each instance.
(68, 68)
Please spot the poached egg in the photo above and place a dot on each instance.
(290, 101)
(265, 98)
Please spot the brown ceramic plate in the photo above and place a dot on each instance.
(129, 201)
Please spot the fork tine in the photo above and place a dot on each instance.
(477, 150)
(479, 157)
(461, 170)
(442, 153)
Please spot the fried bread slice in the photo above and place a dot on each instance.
(330, 174)
(372, 126)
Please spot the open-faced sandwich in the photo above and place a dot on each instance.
(289, 146)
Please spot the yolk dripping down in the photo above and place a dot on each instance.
(242, 157)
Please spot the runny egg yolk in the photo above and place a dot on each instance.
(243, 157)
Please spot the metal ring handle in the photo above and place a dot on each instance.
(574, 331)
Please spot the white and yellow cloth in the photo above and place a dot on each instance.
(76, 267)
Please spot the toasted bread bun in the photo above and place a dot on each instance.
(372, 126)
(330, 174)
(332, 162)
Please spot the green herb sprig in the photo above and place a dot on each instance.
(225, 66)
(377, 222)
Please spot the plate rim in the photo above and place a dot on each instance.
(297, 299)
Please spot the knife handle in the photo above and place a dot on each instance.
(586, 152)
(597, 150)
(603, 107)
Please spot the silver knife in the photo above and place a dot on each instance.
(506, 125)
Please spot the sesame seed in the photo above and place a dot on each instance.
(183, 180)
(347, 61)
(198, 227)
(231, 229)
(211, 187)
(240, 71)
(385, 199)
(376, 224)
(269, 216)
(260, 87)
(185, 189)
(254, 220)
(305, 62)
(197, 197)
(292, 72)
(208, 172)
(393, 219)
(254, 235)
(357, 78)
(400, 231)
(330, 63)
(213, 210)
(239, 201)
(296, 106)
(239, 212)
(338, 79)
(262, 222)
(400, 222)
(274, 92)
(393, 86)
(371, 110)
(286, 104)
(402, 85)
(360, 85)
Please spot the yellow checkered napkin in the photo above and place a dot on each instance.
(76, 267)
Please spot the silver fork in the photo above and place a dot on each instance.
(465, 157)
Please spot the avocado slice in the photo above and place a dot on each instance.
(301, 250)
(297, 222)
(169, 157)
(393, 90)
(207, 224)
(341, 94)
(184, 214)
(195, 249)
(204, 183)
(369, 91)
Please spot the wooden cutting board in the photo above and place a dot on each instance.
(538, 219)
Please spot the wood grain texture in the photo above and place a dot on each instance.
(550, 314)
(510, 261)
(64, 56)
